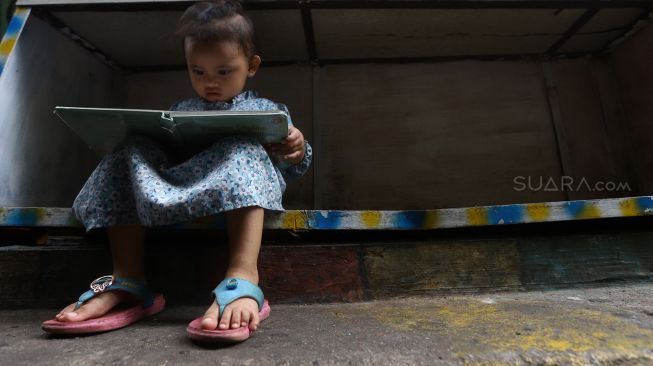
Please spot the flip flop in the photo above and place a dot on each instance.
(117, 317)
(229, 290)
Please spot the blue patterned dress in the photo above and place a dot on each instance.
(140, 183)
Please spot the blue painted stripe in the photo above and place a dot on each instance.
(409, 220)
(26, 217)
(645, 205)
(509, 214)
(574, 208)
(332, 220)
(14, 26)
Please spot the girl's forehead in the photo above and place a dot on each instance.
(225, 48)
(214, 52)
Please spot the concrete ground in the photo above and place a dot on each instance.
(598, 326)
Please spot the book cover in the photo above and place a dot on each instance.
(102, 129)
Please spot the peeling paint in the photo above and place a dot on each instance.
(10, 38)
(384, 220)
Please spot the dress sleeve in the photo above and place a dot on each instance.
(282, 107)
(299, 169)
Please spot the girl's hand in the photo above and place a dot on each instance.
(291, 148)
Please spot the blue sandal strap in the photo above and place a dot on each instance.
(110, 283)
(232, 288)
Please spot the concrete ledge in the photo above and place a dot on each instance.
(380, 220)
(600, 326)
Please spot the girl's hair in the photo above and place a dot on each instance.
(220, 20)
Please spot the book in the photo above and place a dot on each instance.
(102, 129)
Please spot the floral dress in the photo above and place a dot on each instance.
(140, 183)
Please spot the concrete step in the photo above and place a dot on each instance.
(610, 325)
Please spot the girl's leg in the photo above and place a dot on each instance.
(245, 230)
(127, 250)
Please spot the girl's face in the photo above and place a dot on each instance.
(218, 70)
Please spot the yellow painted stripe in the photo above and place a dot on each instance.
(7, 45)
(477, 216)
(629, 207)
(371, 219)
(590, 211)
(431, 220)
(293, 220)
(538, 211)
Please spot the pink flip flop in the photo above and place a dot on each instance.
(225, 293)
(117, 317)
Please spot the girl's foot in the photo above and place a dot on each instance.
(95, 307)
(243, 312)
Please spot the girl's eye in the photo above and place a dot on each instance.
(198, 72)
(224, 72)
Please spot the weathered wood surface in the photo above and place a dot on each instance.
(380, 220)
(53, 275)
(455, 266)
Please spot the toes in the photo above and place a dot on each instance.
(244, 320)
(235, 318)
(254, 321)
(67, 309)
(210, 320)
(94, 308)
(226, 318)
(89, 310)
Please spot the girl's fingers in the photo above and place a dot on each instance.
(292, 156)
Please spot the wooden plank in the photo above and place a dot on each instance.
(431, 268)
(613, 117)
(558, 125)
(55, 275)
(379, 220)
(584, 130)
(319, 112)
(312, 273)
(343, 4)
(37, 276)
(303, 273)
(555, 260)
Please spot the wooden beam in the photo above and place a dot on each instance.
(124, 5)
(329, 220)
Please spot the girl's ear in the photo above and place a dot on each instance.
(254, 64)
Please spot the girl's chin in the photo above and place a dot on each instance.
(216, 98)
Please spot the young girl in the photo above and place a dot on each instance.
(137, 184)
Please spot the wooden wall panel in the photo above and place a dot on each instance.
(589, 145)
(422, 136)
(632, 62)
(427, 269)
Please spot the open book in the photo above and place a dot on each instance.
(102, 129)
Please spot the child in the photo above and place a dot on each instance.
(137, 184)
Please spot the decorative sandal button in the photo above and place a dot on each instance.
(100, 284)
(232, 284)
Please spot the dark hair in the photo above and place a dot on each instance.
(221, 20)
